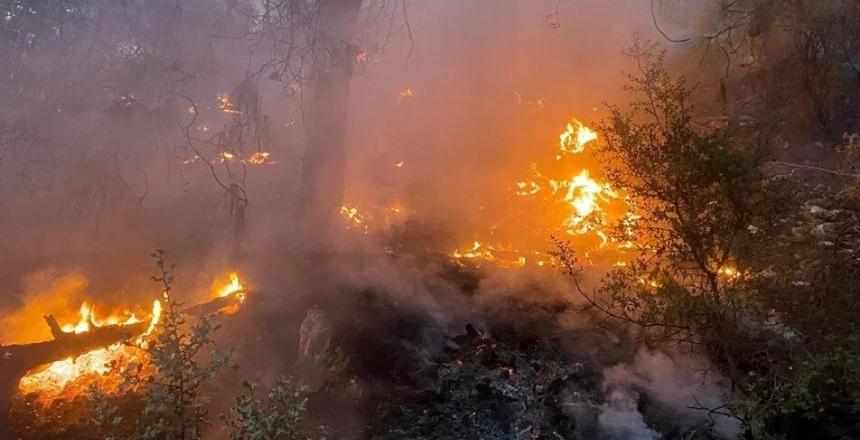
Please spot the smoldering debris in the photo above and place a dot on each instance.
(383, 368)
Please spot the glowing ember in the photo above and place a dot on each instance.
(729, 273)
(225, 105)
(404, 95)
(258, 158)
(533, 105)
(501, 256)
(649, 283)
(354, 219)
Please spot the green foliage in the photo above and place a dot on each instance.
(275, 418)
(696, 197)
(173, 379)
(782, 323)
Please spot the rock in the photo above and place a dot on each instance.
(824, 214)
(317, 361)
(825, 231)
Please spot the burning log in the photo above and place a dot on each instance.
(17, 360)
(81, 341)
(221, 305)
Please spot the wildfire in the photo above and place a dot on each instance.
(258, 158)
(574, 139)
(729, 273)
(583, 195)
(73, 376)
(574, 205)
(88, 319)
(91, 368)
(233, 289)
(501, 256)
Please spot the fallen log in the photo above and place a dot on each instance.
(16, 361)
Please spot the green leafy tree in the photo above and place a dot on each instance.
(702, 210)
(729, 264)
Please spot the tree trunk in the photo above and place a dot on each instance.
(324, 162)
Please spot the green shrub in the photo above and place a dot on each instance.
(275, 418)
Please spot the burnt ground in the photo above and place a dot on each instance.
(451, 360)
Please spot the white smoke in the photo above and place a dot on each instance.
(620, 417)
(680, 383)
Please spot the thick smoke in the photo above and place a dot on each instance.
(682, 383)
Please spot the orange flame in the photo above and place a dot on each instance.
(574, 139)
(576, 205)
(72, 376)
(352, 216)
(583, 195)
(91, 367)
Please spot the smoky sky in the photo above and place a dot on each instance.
(466, 133)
